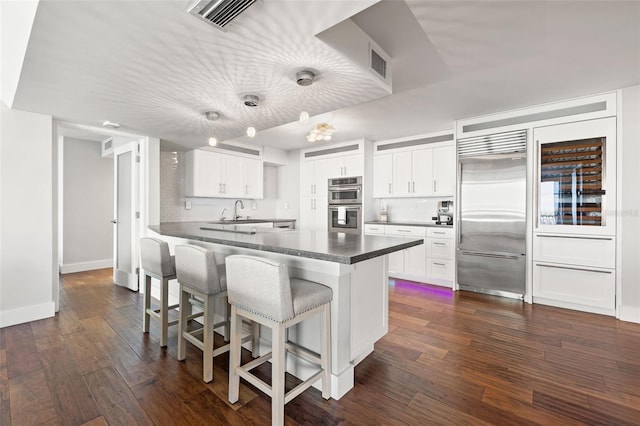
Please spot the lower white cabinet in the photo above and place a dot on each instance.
(431, 262)
(569, 286)
(575, 272)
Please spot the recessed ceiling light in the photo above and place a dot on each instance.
(251, 132)
(110, 124)
(212, 115)
(213, 141)
(304, 116)
(305, 77)
(251, 100)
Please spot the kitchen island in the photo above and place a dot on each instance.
(354, 266)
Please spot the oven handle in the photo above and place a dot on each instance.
(345, 188)
(331, 207)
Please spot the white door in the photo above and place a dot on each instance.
(402, 174)
(444, 171)
(233, 182)
(125, 244)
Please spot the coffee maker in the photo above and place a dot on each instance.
(445, 213)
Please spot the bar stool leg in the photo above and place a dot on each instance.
(185, 311)
(234, 355)
(255, 339)
(164, 311)
(207, 339)
(278, 374)
(326, 351)
(147, 304)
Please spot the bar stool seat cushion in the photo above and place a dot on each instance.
(307, 295)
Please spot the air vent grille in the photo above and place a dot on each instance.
(108, 144)
(219, 13)
(378, 64)
(498, 143)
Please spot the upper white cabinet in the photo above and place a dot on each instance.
(415, 167)
(214, 174)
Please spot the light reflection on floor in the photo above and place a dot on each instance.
(425, 289)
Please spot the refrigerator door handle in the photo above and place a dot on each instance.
(494, 255)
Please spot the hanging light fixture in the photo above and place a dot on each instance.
(321, 132)
(251, 131)
(304, 78)
(213, 141)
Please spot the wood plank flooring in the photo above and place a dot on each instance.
(449, 358)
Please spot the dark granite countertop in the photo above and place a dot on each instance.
(427, 224)
(330, 246)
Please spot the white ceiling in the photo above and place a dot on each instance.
(155, 69)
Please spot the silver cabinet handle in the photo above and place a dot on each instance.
(314, 204)
(573, 269)
(224, 187)
(575, 237)
(403, 230)
(220, 188)
(314, 188)
(389, 187)
(311, 189)
(435, 186)
(414, 187)
(311, 201)
(246, 189)
(439, 244)
(408, 186)
(439, 232)
(439, 264)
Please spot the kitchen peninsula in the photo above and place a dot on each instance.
(354, 266)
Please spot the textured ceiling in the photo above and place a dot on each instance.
(155, 68)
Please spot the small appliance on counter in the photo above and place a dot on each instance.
(445, 213)
(384, 214)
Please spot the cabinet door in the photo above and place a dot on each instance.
(382, 175)
(233, 177)
(331, 167)
(422, 172)
(307, 213)
(324, 169)
(321, 213)
(254, 173)
(396, 261)
(415, 260)
(353, 165)
(206, 174)
(402, 174)
(307, 178)
(444, 171)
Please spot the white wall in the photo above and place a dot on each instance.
(409, 209)
(172, 190)
(87, 207)
(629, 191)
(26, 224)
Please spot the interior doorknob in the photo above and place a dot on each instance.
(114, 221)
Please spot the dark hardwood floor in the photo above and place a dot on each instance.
(449, 358)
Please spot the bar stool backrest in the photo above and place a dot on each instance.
(155, 257)
(196, 268)
(260, 286)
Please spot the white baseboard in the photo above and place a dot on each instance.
(630, 314)
(27, 314)
(70, 268)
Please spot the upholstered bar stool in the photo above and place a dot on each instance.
(157, 263)
(199, 276)
(261, 290)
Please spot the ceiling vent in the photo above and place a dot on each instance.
(219, 13)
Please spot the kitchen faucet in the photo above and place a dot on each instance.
(235, 209)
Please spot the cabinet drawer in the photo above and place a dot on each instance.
(440, 232)
(578, 286)
(440, 268)
(406, 231)
(374, 229)
(440, 247)
(598, 252)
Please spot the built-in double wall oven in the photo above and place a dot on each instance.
(345, 205)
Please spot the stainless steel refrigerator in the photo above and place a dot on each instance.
(492, 189)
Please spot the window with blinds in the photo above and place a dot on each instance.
(571, 186)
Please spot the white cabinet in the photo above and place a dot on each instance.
(412, 260)
(440, 254)
(313, 214)
(213, 174)
(343, 166)
(383, 175)
(422, 172)
(444, 171)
